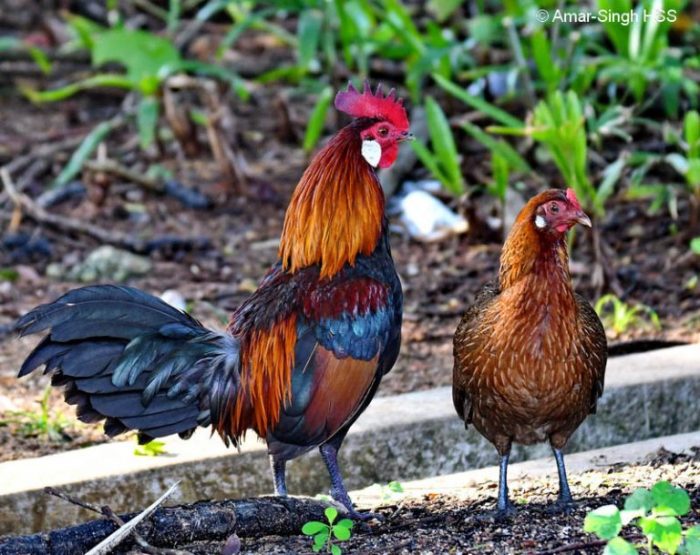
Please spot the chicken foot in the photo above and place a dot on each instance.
(329, 452)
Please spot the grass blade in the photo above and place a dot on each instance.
(477, 103)
(444, 145)
(82, 153)
(317, 119)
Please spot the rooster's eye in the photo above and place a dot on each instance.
(383, 131)
(554, 208)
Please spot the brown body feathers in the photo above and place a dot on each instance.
(530, 354)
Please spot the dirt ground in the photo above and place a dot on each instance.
(442, 524)
(236, 242)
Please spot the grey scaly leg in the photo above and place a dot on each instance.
(278, 474)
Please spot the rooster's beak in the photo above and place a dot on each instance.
(583, 219)
(406, 136)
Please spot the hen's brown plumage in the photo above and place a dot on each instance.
(530, 355)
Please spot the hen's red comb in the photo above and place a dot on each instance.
(370, 104)
(571, 197)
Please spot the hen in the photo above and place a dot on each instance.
(530, 355)
(301, 358)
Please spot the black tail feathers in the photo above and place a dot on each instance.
(133, 360)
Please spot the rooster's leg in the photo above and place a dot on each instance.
(278, 473)
(329, 452)
(504, 505)
(564, 491)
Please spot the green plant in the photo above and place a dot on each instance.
(325, 533)
(656, 513)
(147, 61)
(153, 448)
(443, 159)
(40, 423)
(641, 54)
(558, 124)
(619, 316)
(689, 165)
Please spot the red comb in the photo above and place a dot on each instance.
(571, 197)
(374, 105)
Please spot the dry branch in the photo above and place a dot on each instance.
(179, 526)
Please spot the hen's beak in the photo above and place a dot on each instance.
(406, 136)
(583, 219)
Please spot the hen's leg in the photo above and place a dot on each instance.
(504, 505)
(329, 452)
(564, 491)
(278, 474)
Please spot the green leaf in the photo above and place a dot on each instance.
(308, 35)
(174, 11)
(692, 541)
(665, 532)
(335, 550)
(619, 546)
(498, 146)
(99, 80)
(443, 8)
(640, 499)
(477, 103)
(429, 161)
(695, 245)
(10, 274)
(669, 496)
(313, 527)
(82, 153)
(317, 119)
(691, 133)
(321, 539)
(143, 54)
(394, 486)
(40, 59)
(444, 145)
(147, 120)
(341, 532)
(346, 523)
(153, 448)
(604, 522)
(331, 514)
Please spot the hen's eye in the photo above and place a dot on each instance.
(554, 208)
(383, 131)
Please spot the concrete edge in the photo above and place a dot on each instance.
(465, 484)
(117, 459)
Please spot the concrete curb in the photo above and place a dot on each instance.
(467, 484)
(407, 436)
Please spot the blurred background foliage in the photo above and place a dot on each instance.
(552, 96)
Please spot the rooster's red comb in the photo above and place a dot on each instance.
(374, 105)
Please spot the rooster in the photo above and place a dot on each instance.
(530, 355)
(301, 358)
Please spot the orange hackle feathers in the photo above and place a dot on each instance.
(373, 105)
(336, 211)
(265, 377)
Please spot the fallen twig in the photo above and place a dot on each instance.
(36, 212)
(116, 519)
(114, 539)
(584, 545)
(114, 167)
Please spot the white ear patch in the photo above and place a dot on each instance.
(540, 221)
(372, 152)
